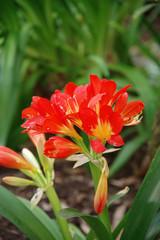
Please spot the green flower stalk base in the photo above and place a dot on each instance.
(54, 200)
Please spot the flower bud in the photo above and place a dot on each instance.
(101, 194)
(18, 182)
(28, 155)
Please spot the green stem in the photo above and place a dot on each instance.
(54, 200)
(104, 216)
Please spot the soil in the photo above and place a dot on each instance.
(75, 189)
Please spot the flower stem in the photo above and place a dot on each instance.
(54, 200)
(104, 216)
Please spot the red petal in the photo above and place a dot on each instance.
(95, 83)
(69, 88)
(34, 123)
(116, 122)
(80, 94)
(58, 147)
(44, 107)
(108, 87)
(34, 102)
(105, 113)
(94, 100)
(132, 109)
(60, 126)
(75, 119)
(89, 119)
(121, 103)
(119, 93)
(116, 140)
(101, 194)
(30, 113)
(63, 104)
(97, 146)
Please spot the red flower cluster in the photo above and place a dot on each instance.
(96, 108)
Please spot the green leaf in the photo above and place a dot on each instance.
(120, 226)
(95, 224)
(118, 195)
(50, 224)
(146, 204)
(154, 228)
(76, 233)
(90, 235)
(143, 9)
(9, 16)
(32, 223)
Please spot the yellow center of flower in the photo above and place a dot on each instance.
(102, 130)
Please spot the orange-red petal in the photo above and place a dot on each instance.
(116, 140)
(69, 88)
(30, 113)
(132, 109)
(95, 83)
(60, 126)
(121, 103)
(116, 122)
(97, 146)
(119, 93)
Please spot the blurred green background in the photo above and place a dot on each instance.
(45, 44)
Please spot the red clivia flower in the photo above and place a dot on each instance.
(40, 109)
(45, 117)
(58, 147)
(106, 126)
(130, 112)
(10, 159)
(100, 197)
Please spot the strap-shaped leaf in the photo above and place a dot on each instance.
(12, 208)
(76, 233)
(154, 228)
(95, 224)
(50, 224)
(146, 204)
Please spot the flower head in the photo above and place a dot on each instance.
(96, 108)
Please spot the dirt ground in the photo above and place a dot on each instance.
(75, 189)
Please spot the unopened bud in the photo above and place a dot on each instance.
(18, 182)
(28, 155)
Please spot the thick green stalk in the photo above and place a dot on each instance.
(104, 216)
(54, 200)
